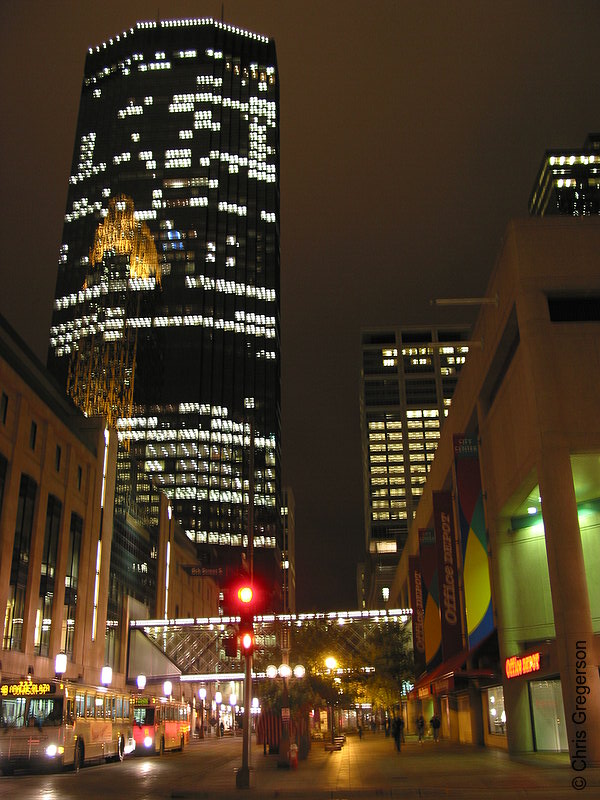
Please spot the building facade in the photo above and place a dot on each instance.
(408, 377)
(568, 181)
(526, 404)
(59, 536)
(166, 311)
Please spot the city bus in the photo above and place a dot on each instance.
(58, 723)
(159, 724)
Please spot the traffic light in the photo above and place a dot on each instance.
(243, 597)
(231, 646)
(247, 640)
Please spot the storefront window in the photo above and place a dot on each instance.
(496, 712)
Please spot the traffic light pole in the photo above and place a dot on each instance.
(242, 778)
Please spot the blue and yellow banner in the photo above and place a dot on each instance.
(473, 540)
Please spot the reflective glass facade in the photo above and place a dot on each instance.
(568, 181)
(407, 382)
(166, 313)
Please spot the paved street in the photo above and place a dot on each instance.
(364, 769)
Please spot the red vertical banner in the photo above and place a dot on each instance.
(418, 614)
(445, 538)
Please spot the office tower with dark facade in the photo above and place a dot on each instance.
(568, 181)
(166, 312)
(408, 377)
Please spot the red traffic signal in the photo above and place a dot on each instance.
(247, 642)
(245, 595)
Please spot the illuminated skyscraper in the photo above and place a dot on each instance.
(407, 381)
(166, 317)
(568, 181)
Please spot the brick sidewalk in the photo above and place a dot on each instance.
(371, 767)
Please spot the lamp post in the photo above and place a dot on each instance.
(202, 696)
(218, 702)
(285, 672)
(331, 664)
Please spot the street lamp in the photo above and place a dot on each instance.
(106, 676)
(167, 688)
(233, 703)
(141, 682)
(60, 664)
(202, 696)
(331, 664)
(284, 671)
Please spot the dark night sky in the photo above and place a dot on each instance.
(410, 134)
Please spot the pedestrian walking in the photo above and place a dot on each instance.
(420, 728)
(435, 727)
(395, 726)
(401, 726)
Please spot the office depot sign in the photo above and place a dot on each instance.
(522, 665)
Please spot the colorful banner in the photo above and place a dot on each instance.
(431, 604)
(418, 614)
(473, 538)
(450, 610)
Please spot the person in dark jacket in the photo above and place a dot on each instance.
(420, 728)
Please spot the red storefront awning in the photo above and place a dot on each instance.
(441, 679)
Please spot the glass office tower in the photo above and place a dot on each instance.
(408, 377)
(568, 181)
(166, 313)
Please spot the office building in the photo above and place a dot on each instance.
(166, 311)
(408, 377)
(568, 181)
(520, 536)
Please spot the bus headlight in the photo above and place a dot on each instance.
(148, 741)
(52, 750)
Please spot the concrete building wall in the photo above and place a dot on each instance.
(530, 394)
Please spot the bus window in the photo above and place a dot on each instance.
(100, 707)
(110, 708)
(80, 705)
(143, 715)
(119, 707)
(125, 708)
(45, 711)
(90, 701)
(12, 712)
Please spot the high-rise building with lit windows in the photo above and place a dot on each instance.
(166, 312)
(568, 181)
(408, 377)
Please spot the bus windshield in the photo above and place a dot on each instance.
(19, 712)
(143, 716)
(12, 711)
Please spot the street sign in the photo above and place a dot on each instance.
(203, 572)
(285, 715)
